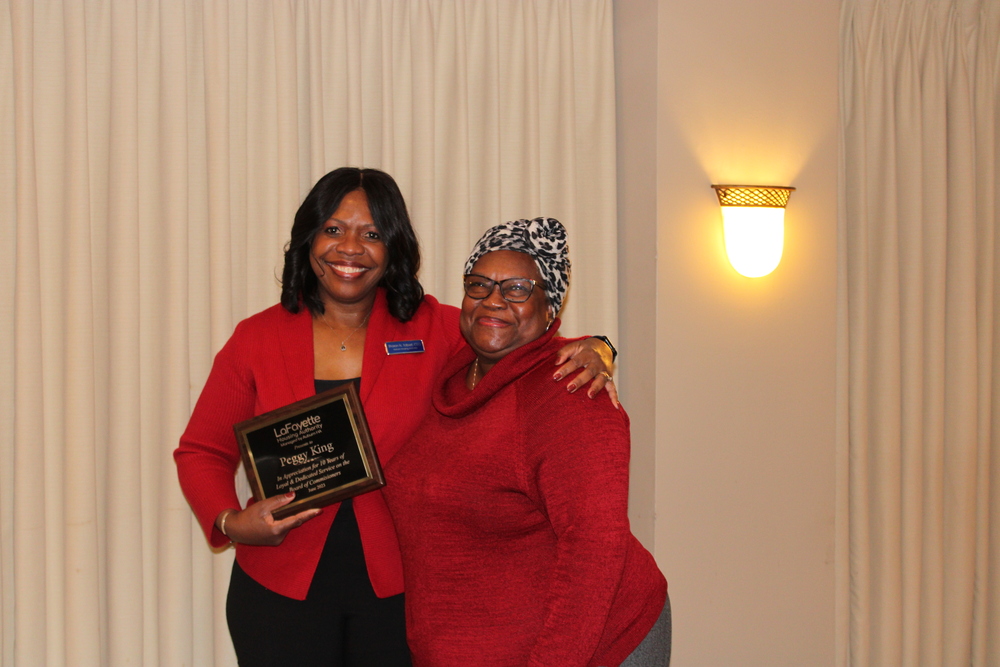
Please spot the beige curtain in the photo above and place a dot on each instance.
(152, 155)
(919, 477)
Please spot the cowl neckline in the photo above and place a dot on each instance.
(451, 398)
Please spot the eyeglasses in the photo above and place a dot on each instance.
(514, 290)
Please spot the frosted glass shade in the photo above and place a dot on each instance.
(755, 238)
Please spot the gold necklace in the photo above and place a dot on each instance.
(343, 343)
(475, 373)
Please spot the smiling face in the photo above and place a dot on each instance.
(495, 327)
(347, 254)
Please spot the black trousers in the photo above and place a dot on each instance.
(340, 623)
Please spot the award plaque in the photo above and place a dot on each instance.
(319, 447)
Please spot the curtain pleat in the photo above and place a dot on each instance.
(9, 235)
(153, 155)
(920, 479)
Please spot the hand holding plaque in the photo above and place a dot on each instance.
(319, 447)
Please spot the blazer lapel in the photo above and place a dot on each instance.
(297, 353)
(380, 329)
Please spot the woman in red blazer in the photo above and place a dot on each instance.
(324, 586)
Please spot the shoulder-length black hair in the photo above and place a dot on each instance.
(388, 209)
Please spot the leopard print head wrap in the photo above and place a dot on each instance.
(542, 238)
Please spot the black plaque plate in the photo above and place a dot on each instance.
(319, 447)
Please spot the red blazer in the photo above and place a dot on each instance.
(268, 363)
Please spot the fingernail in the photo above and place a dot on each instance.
(290, 494)
(557, 376)
(571, 388)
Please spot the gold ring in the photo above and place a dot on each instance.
(607, 376)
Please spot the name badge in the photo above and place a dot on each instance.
(404, 347)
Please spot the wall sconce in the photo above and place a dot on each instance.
(753, 223)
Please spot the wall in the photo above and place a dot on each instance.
(635, 78)
(739, 373)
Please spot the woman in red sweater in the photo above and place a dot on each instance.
(512, 520)
(324, 587)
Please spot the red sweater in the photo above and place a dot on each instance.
(511, 508)
(268, 363)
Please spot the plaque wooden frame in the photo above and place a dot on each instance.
(319, 447)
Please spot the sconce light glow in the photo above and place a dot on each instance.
(753, 223)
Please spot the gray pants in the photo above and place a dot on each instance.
(654, 651)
